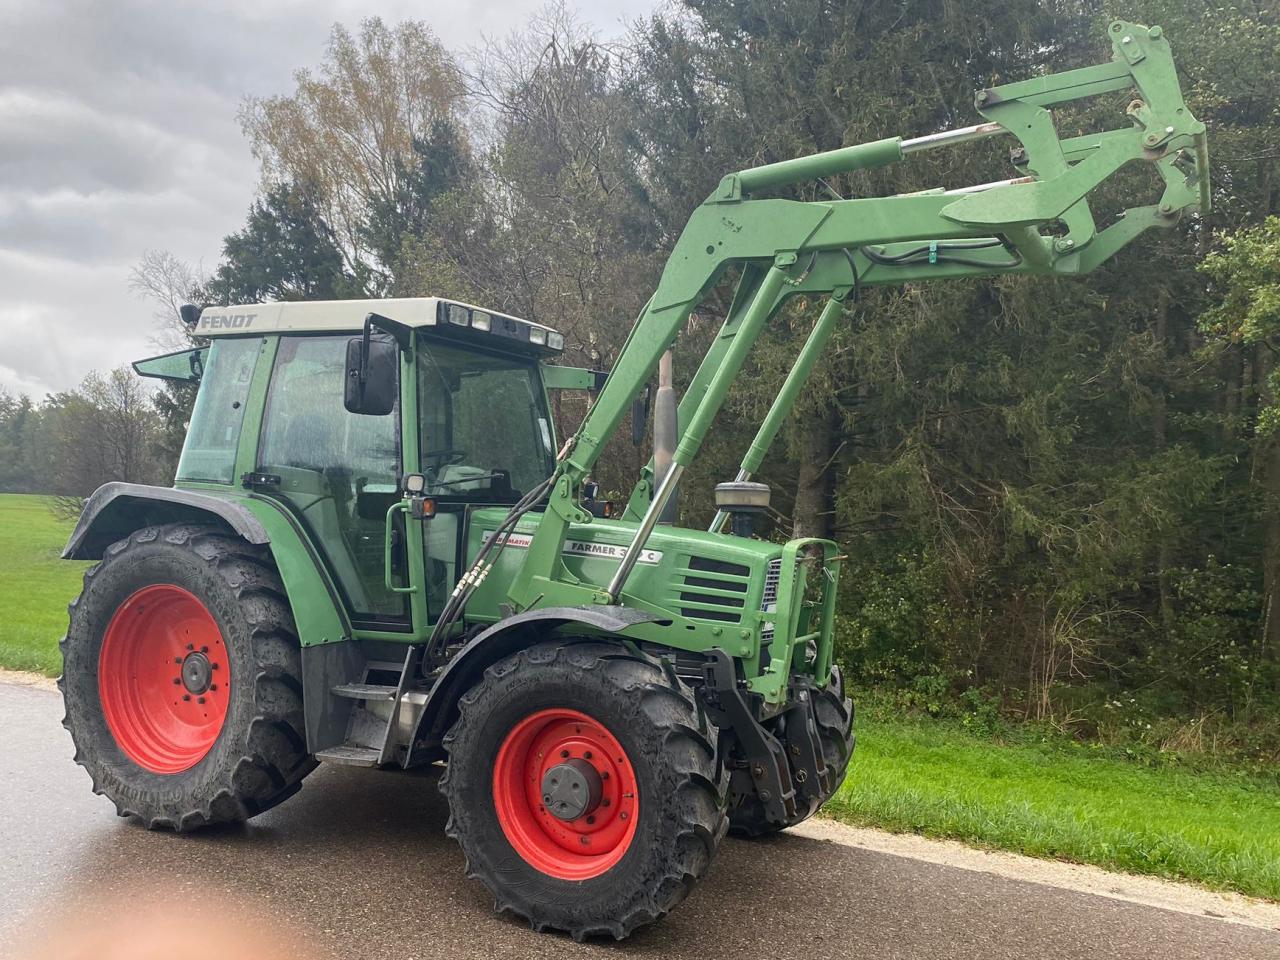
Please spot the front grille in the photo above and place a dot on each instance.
(769, 602)
(717, 575)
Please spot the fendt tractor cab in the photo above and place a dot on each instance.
(378, 552)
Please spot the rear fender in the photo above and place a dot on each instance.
(117, 509)
(497, 642)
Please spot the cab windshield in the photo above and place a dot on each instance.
(485, 430)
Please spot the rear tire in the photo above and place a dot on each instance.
(182, 679)
(833, 716)
(554, 705)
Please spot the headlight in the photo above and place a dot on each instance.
(555, 340)
(480, 320)
(538, 335)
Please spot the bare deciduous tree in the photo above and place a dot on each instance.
(167, 282)
(104, 430)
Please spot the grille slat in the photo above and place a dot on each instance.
(713, 590)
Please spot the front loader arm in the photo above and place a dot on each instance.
(1037, 222)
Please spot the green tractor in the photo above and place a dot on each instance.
(377, 552)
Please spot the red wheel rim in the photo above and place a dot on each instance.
(593, 842)
(164, 679)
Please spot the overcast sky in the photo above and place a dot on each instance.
(118, 134)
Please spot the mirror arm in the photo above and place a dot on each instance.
(401, 333)
(364, 356)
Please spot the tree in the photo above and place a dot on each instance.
(167, 282)
(439, 165)
(286, 251)
(18, 420)
(551, 228)
(1246, 311)
(349, 128)
(105, 430)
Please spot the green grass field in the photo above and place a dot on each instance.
(1058, 799)
(35, 586)
(1061, 800)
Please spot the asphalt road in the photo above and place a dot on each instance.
(357, 865)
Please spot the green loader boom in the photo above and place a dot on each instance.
(1038, 222)
(374, 555)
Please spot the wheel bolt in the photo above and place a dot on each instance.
(177, 659)
(186, 696)
(191, 646)
(585, 841)
(204, 649)
(213, 686)
(213, 666)
(622, 815)
(177, 681)
(564, 753)
(604, 774)
(199, 699)
(587, 755)
(591, 818)
(605, 802)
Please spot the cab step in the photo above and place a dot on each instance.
(365, 691)
(350, 755)
(372, 718)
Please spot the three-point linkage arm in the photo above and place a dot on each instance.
(1038, 222)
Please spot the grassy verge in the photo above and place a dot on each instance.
(1065, 801)
(35, 586)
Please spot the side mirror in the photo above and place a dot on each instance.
(371, 383)
(640, 416)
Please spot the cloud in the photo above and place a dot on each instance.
(118, 134)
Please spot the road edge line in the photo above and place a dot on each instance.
(1080, 878)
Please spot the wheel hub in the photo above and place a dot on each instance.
(571, 789)
(566, 794)
(164, 678)
(197, 673)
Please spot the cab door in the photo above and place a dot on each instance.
(339, 474)
(484, 440)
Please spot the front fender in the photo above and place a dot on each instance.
(501, 640)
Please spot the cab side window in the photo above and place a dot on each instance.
(209, 452)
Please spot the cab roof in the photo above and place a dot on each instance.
(339, 316)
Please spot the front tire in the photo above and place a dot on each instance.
(182, 679)
(583, 788)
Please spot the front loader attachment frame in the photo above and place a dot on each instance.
(1038, 222)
